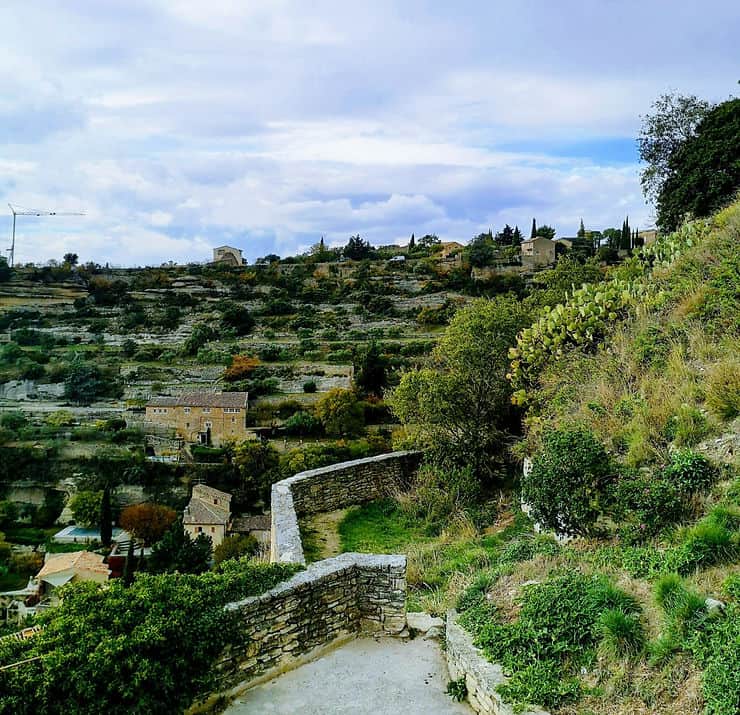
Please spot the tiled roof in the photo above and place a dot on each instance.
(203, 491)
(201, 512)
(202, 399)
(81, 560)
(244, 524)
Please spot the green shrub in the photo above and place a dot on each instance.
(723, 389)
(302, 424)
(13, 420)
(309, 386)
(559, 626)
(457, 689)
(690, 472)
(567, 483)
(235, 547)
(111, 648)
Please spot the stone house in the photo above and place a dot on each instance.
(538, 252)
(228, 255)
(208, 418)
(208, 512)
(60, 569)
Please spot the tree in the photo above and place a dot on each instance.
(6, 272)
(83, 383)
(340, 412)
(371, 368)
(129, 348)
(428, 241)
(242, 367)
(106, 518)
(673, 121)
(357, 249)
(8, 513)
(581, 230)
(480, 250)
(546, 231)
(85, 506)
(534, 229)
(258, 465)
(412, 242)
(505, 237)
(178, 551)
(566, 486)
(234, 547)
(71, 259)
(704, 172)
(517, 238)
(237, 317)
(460, 407)
(147, 522)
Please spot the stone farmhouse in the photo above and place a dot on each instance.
(208, 512)
(228, 255)
(538, 252)
(208, 418)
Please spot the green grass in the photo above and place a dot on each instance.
(379, 527)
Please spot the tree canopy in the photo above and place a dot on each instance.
(460, 407)
(703, 173)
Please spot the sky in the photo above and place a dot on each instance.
(180, 125)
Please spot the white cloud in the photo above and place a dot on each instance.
(177, 124)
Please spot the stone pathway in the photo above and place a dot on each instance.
(364, 677)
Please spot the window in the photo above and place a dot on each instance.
(213, 529)
(209, 425)
(206, 410)
(187, 410)
(232, 410)
(198, 529)
(187, 424)
(233, 419)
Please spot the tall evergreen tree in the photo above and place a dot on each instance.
(534, 229)
(322, 247)
(581, 231)
(106, 518)
(506, 236)
(517, 237)
(412, 242)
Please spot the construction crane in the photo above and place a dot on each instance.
(20, 211)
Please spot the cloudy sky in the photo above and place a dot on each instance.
(178, 125)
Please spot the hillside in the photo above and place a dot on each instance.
(630, 395)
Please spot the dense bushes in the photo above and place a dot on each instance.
(147, 648)
(560, 624)
(566, 485)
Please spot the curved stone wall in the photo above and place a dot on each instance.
(330, 488)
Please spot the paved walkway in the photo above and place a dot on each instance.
(364, 677)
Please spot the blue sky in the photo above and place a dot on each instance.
(178, 125)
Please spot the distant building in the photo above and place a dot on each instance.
(228, 255)
(60, 569)
(208, 512)
(538, 252)
(208, 418)
(567, 242)
(649, 236)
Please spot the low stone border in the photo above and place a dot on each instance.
(465, 660)
(326, 605)
(330, 488)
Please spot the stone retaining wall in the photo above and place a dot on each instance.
(465, 660)
(330, 488)
(331, 601)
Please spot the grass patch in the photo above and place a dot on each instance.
(380, 527)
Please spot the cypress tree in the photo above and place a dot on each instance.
(321, 245)
(517, 239)
(581, 231)
(106, 518)
(534, 229)
(412, 242)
